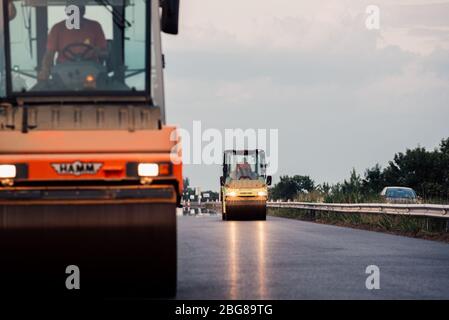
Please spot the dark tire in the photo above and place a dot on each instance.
(262, 215)
(246, 212)
(133, 256)
(234, 212)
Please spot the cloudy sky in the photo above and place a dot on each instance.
(341, 95)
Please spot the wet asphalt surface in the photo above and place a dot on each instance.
(289, 259)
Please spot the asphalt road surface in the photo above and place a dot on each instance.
(289, 259)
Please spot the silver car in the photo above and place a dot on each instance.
(399, 195)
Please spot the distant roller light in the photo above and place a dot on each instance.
(262, 193)
(7, 171)
(148, 169)
(231, 194)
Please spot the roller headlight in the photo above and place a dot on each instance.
(148, 169)
(262, 193)
(7, 171)
(231, 194)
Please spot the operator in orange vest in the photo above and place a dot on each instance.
(89, 41)
(244, 170)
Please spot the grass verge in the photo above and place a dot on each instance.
(416, 227)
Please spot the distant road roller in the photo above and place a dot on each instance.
(244, 185)
(90, 174)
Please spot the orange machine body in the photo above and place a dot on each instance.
(109, 156)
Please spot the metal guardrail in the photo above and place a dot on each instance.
(420, 210)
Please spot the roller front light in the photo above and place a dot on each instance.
(231, 194)
(148, 169)
(7, 171)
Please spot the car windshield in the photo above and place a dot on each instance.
(400, 193)
(245, 165)
(78, 45)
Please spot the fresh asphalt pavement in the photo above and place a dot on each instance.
(289, 259)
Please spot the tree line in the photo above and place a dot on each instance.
(426, 171)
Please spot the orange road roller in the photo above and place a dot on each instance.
(90, 174)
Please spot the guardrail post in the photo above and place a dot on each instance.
(312, 214)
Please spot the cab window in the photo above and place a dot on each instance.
(79, 45)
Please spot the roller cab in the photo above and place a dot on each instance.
(244, 185)
(90, 173)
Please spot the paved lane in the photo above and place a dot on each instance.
(289, 259)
